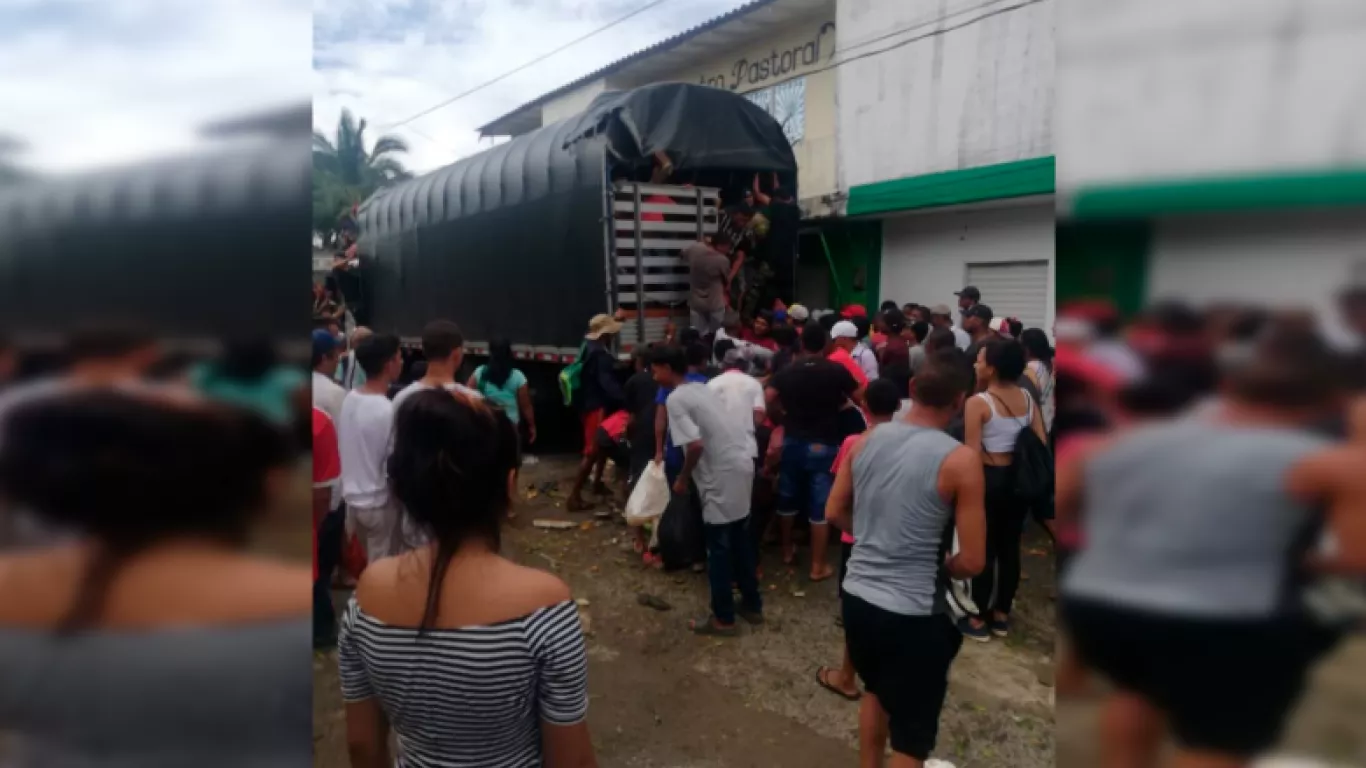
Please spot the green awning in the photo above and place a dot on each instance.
(1333, 188)
(1021, 178)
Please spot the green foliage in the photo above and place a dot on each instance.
(345, 172)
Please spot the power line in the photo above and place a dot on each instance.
(528, 64)
(841, 62)
(914, 25)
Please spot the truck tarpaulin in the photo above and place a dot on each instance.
(701, 128)
(512, 242)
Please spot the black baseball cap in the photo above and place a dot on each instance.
(970, 292)
(980, 311)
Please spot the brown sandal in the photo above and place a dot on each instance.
(823, 677)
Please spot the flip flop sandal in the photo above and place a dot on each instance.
(823, 678)
(707, 627)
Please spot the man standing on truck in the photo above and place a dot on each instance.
(779, 248)
(708, 275)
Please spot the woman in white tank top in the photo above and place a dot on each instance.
(993, 421)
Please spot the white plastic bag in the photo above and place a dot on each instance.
(650, 496)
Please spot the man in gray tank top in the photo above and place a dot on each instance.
(1187, 593)
(907, 485)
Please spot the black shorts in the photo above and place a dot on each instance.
(1225, 685)
(846, 551)
(903, 661)
(615, 450)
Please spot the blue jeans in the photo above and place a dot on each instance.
(729, 548)
(804, 478)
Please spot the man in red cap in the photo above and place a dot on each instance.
(854, 310)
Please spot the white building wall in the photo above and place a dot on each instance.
(1290, 260)
(572, 103)
(1178, 88)
(925, 256)
(959, 83)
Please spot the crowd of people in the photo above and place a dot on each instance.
(924, 446)
(773, 429)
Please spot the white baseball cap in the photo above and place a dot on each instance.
(798, 312)
(844, 330)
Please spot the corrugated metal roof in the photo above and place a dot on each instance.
(657, 48)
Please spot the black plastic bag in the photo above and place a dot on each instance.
(681, 539)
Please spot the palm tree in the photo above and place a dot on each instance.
(346, 157)
(345, 172)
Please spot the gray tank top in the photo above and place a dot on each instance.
(217, 697)
(1193, 518)
(901, 524)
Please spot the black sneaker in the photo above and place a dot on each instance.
(980, 634)
(1000, 627)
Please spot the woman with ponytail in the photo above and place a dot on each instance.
(471, 658)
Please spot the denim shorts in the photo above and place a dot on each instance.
(804, 478)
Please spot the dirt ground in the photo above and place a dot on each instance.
(663, 697)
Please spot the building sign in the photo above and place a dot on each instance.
(747, 73)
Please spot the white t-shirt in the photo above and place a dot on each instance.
(747, 349)
(725, 473)
(328, 396)
(741, 395)
(418, 386)
(364, 433)
(961, 339)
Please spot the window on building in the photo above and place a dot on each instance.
(786, 102)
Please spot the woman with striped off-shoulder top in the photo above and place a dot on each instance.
(470, 658)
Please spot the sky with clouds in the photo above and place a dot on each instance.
(386, 60)
(90, 83)
(93, 83)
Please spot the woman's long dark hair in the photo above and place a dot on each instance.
(450, 467)
(499, 367)
(131, 471)
(1036, 344)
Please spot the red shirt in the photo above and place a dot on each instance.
(615, 425)
(767, 342)
(658, 199)
(326, 466)
(842, 357)
(846, 537)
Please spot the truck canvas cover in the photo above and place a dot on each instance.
(512, 241)
(199, 248)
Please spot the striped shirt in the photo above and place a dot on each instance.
(471, 696)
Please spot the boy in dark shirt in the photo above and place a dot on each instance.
(808, 396)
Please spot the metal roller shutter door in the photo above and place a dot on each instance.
(1016, 289)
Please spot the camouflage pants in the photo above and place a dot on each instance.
(758, 277)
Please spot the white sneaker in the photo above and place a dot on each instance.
(934, 762)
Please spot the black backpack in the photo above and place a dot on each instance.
(1032, 468)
